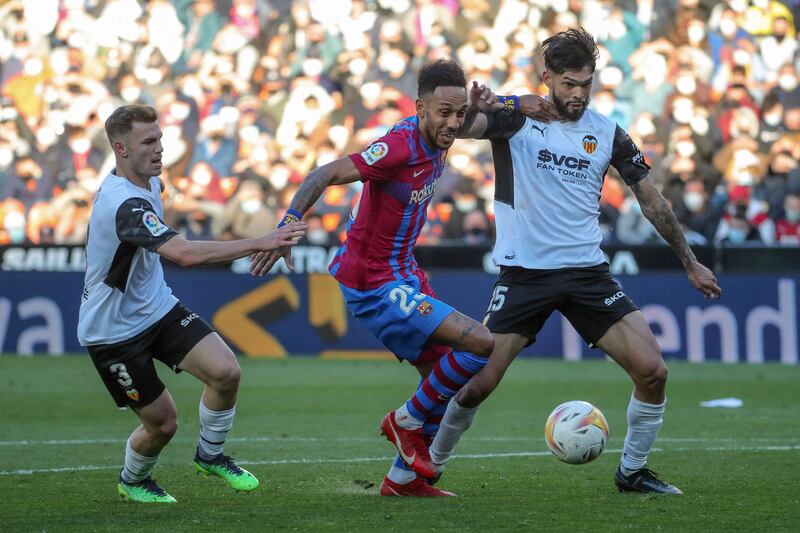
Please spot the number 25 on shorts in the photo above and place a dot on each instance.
(498, 298)
(403, 293)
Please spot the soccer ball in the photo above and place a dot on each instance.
(576, 432)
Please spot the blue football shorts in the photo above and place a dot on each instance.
(402, 315)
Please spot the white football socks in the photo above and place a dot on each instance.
(401, 476)
(137, 466)
(405, 420)
(457, 419)
(214, 427)
(644, 421)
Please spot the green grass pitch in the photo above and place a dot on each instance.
(308, 429)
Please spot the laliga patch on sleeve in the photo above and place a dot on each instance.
(153, 224)
(375, 152)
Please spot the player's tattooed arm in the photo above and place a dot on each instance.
(656, 209)
(337, 172)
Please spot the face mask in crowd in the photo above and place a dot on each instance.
(130, 94)
(317, 236)
(251, 206)
(605, 106)
(787, 82)
(773, 119)
(693, 201)
(466, 205)
(6, 157)
(696, 33)
(737, 235)
(685, 148)
(686, 85)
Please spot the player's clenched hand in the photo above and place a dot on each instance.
(277, 244)
(483, 97)
(703, 280)
(538, 108)
(262, 262)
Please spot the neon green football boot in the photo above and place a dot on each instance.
(146, 491)
(224, 467)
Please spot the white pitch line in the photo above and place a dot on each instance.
(65, 442)
(88, 468)
(68, 442)
(60, 442)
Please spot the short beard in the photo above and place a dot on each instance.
(564, 111)
(434, 139)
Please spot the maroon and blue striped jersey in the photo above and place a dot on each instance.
(400, 172)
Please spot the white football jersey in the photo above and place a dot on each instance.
(548, 178)
(124, 291)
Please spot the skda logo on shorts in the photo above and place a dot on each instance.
(186, 321)
(614, 297)
(133, 394)
(425, 308)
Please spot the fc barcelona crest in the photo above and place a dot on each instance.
(590, 144)
(425, 308)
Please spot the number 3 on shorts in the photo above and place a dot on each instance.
(123, 378)
(402, 293)
(498, 298)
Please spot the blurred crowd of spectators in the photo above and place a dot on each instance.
(252, 94)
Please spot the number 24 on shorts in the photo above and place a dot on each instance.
(403, 293)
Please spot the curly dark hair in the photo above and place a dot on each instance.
(440, 73)
(572, 49)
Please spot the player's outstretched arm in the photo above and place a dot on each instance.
(339, 172)
(485, 108)
(195, 253)
(656, 209)
(481, 102)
